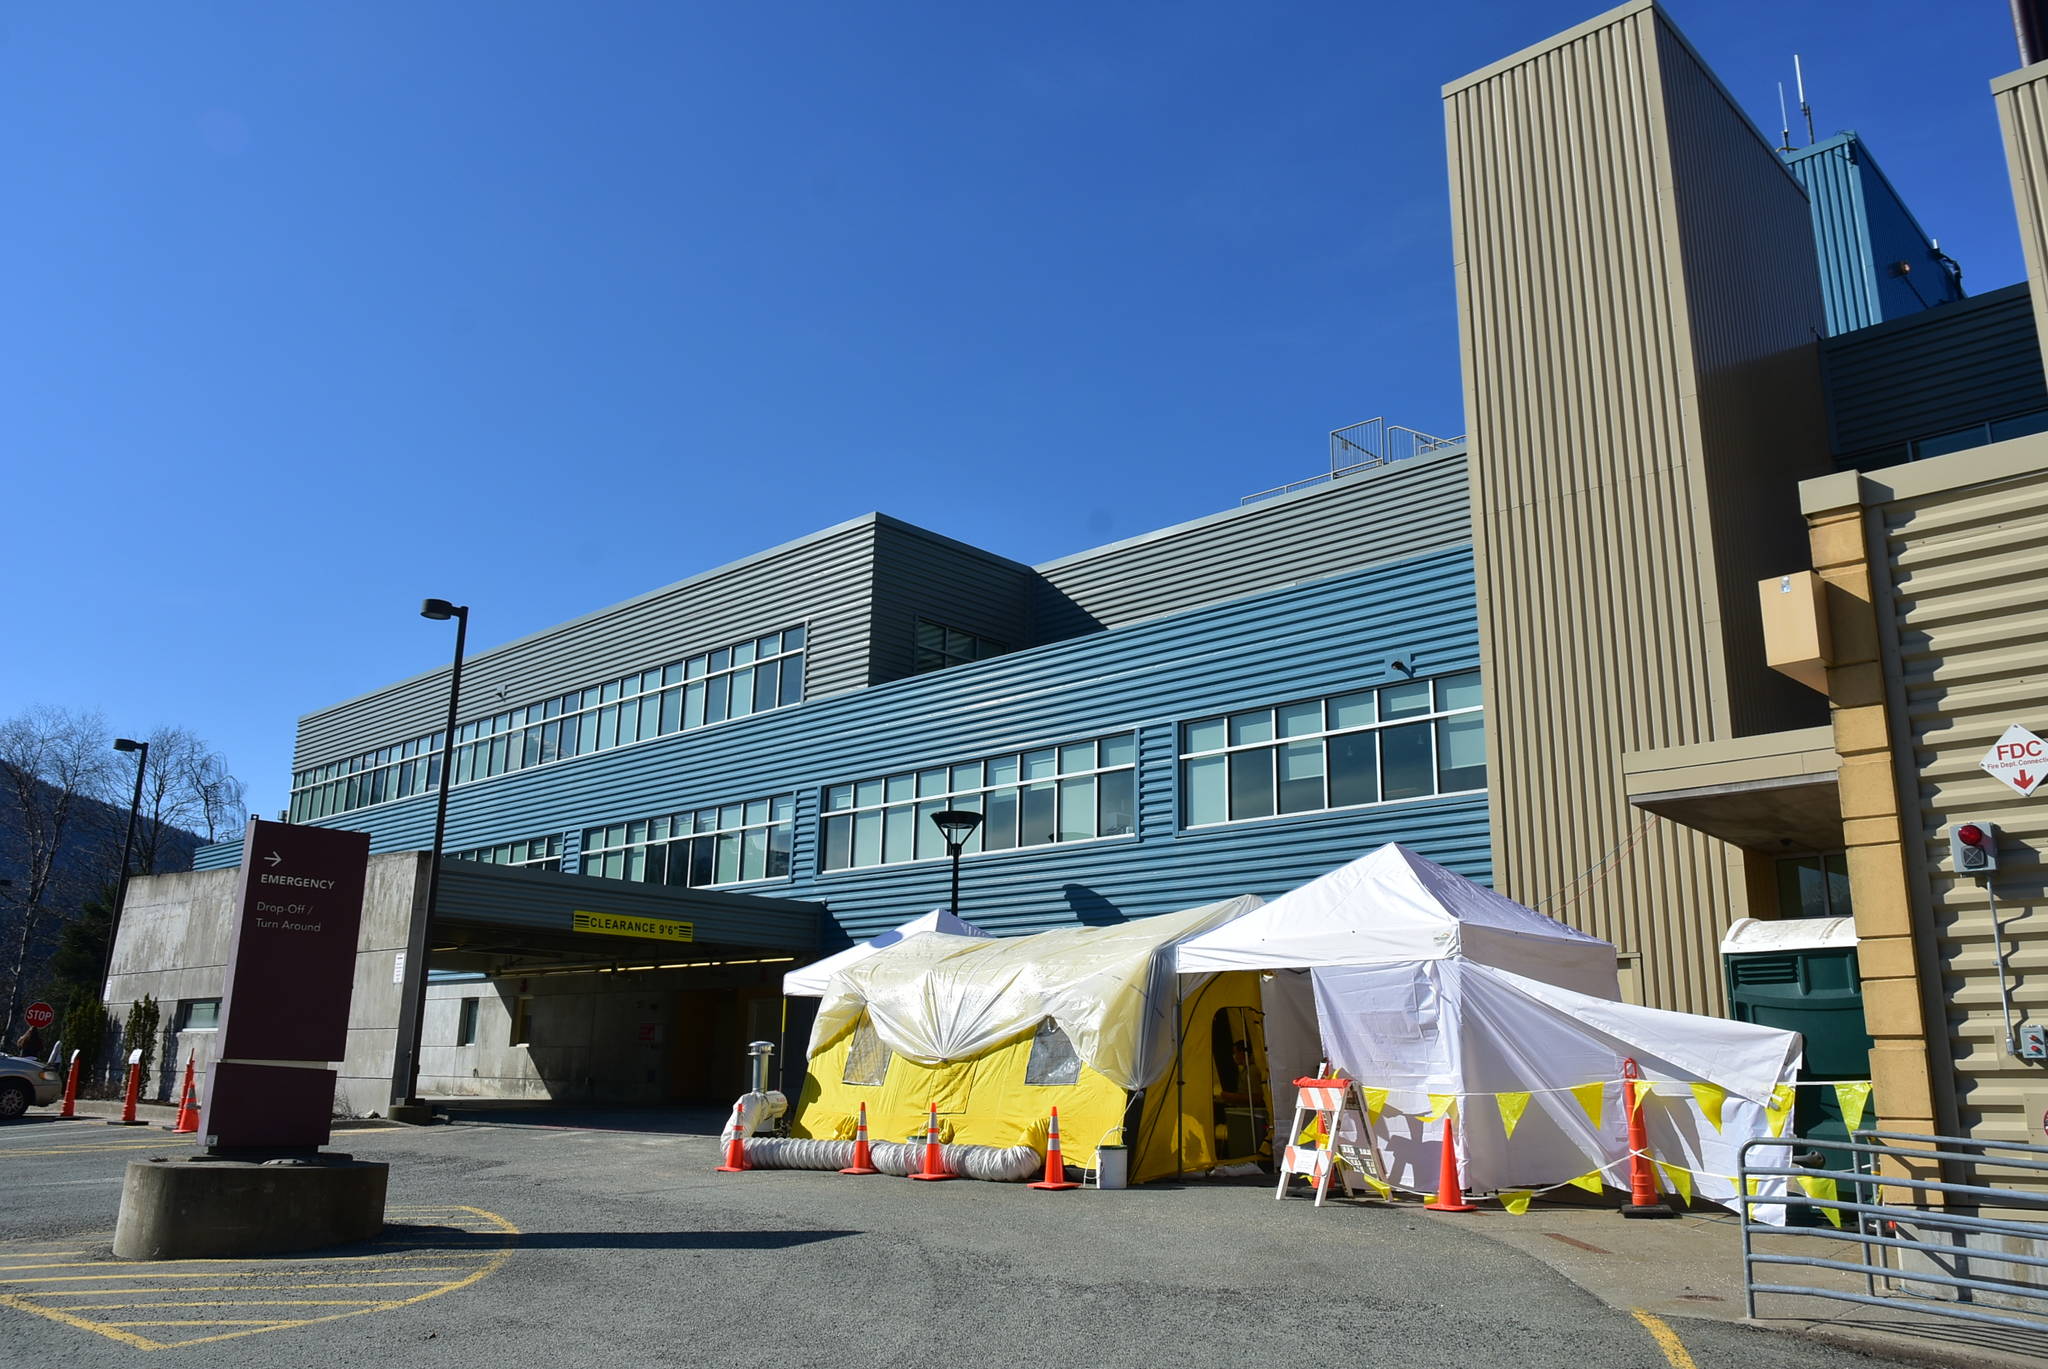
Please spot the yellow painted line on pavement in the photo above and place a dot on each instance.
(1667, 1339)
(211, 1274)
(264, 1280)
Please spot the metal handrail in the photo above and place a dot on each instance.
(1877, 1225)
(1362, 446)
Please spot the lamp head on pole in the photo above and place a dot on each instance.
(126, 744)
(956, 825)
(440, 610)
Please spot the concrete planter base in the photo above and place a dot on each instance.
(201, 1209)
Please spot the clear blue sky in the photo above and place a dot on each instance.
(315, 310)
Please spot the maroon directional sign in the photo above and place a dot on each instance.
(290, 977)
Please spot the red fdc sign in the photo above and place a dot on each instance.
(2018, 759)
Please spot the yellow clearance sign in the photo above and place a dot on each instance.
(653, 928)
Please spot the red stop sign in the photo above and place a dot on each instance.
(40, 1015)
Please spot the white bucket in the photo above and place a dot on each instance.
(1112, 1167)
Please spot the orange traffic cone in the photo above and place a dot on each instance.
(1642, 1183)
(1450, 1190)
(1055, 1167)
(934, 1157)
(863, 1162)
(71, 1089)
(188, 1101)
(735, 1146)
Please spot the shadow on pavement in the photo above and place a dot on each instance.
(671, 1121)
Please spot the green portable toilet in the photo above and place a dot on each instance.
(1799, 974)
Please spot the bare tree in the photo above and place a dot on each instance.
(185, 786)
(53, 763)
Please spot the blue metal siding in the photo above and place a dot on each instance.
(1860, 228)
(1327, 637)
(1834, 193)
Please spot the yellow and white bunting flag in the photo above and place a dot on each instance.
(1440, 1106)
(1381, 1186)
(1516, 1200)
(1826, 1191)
(1511, 1106)
(1710, 1097)
(1853, 1098)
(1779, 1110)
(1678, 1179)
(1593, 1098)
(1593, 1182)
(1375, 1100)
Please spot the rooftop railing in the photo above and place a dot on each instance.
(1361, 446)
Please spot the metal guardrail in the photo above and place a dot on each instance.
(1877, 1227)
(1360, 446)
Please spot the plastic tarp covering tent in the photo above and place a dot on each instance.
(1427, 984)
(937, 998)
(1477, 1032)
(1396, 906)
(810, 981)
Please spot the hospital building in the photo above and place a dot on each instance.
(1708, 615)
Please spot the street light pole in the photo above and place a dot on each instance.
(957, 826)
(141, 750)
(413, 1012)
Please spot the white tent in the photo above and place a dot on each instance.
(809, 982)
(1431, 987)
(1394, 906)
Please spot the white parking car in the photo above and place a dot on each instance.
(24, 1083)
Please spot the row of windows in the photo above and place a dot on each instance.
(1402, 741)
(730, 844)
(535, 853)
(734, 681)
(1074, 792)
(939, 646)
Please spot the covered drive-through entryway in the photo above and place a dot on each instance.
(568, 988)
(543, 986)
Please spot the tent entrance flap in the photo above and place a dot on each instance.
(1217, 1107)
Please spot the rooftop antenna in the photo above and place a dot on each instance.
(1785, 132)
(1799, 75)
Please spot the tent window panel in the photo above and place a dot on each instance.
(1053, 1060)
(867, 1059)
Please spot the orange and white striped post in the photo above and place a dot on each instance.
(1642, 1181)
(934, 1154)
(863, 1160)
(70, 1108)
(127, 1117)
(1055, 1164)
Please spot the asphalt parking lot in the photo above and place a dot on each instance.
(608, 1239)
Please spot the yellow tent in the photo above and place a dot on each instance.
(995, 1032)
